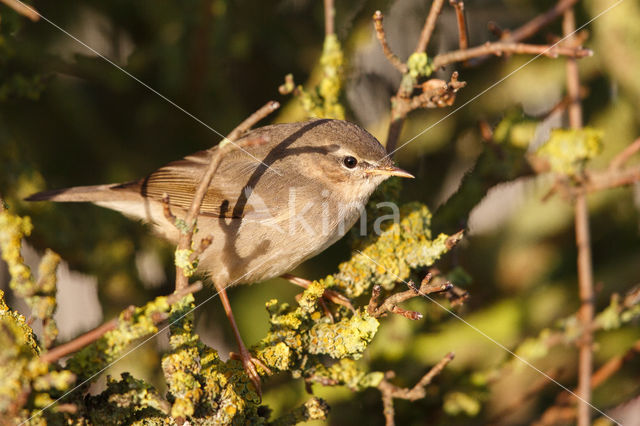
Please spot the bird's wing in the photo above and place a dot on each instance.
(227, 194)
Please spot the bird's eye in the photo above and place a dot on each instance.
(349, 162)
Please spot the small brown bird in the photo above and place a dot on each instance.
(268, 208)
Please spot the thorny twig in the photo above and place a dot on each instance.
(390, 391)
(93, 335)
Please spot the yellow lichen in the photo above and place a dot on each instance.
(568, 150)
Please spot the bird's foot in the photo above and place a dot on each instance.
(249, 362)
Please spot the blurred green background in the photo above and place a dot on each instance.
(67, 117)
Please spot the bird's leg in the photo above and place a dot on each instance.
(248, 361)
(330, 295)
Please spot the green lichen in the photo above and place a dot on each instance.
(133, 323)
(390, 257)
(456, 403)
(419, 65)
(125, 401)
(568, 150)
(515, 129)
(40, 294)
(346, 338)
(183, 260)
(314, 409)
(323, 101)
(345, 372)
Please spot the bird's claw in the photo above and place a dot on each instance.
(249, 362)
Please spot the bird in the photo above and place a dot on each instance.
(269, 206)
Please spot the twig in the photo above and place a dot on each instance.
(560, 411)
(390, 304)
(620, 159)
(513, 406)
(329, 17)
(23, 9)
(186, 237)
(382, 38)
(583, 243)
(390, 391)
(533, 26)
(429, 26)
(462, 23)
(93, 335)
(436, 93)
(250, 121)
(499, 48)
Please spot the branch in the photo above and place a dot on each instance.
(23, 9)
(329, 17)
(429, 25)
(560, 411)
(390, 304)
(390, 391)
(620, 159)
(382, 38)
(186, 236)
(583, 243)
(93, 335)
(462, 23)
(533, 26)
(501, 47)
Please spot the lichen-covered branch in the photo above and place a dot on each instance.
(93, 335)
(39, 294)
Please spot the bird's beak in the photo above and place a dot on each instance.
(390, 171)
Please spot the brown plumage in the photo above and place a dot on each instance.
(269, 206)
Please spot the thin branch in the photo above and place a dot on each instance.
(501, 47)
(390, 391)
(583, 243)
(382, 38)
(186, 236)
(620, 159)
(560, 411)
(329, 17)
(597, 181)
(252, 120)
(390, 304)
(93, 335)
(533, 26)
(23, 9)
(517, 403)
(462, 23)
(429, 26)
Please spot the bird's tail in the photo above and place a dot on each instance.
(93, 194)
